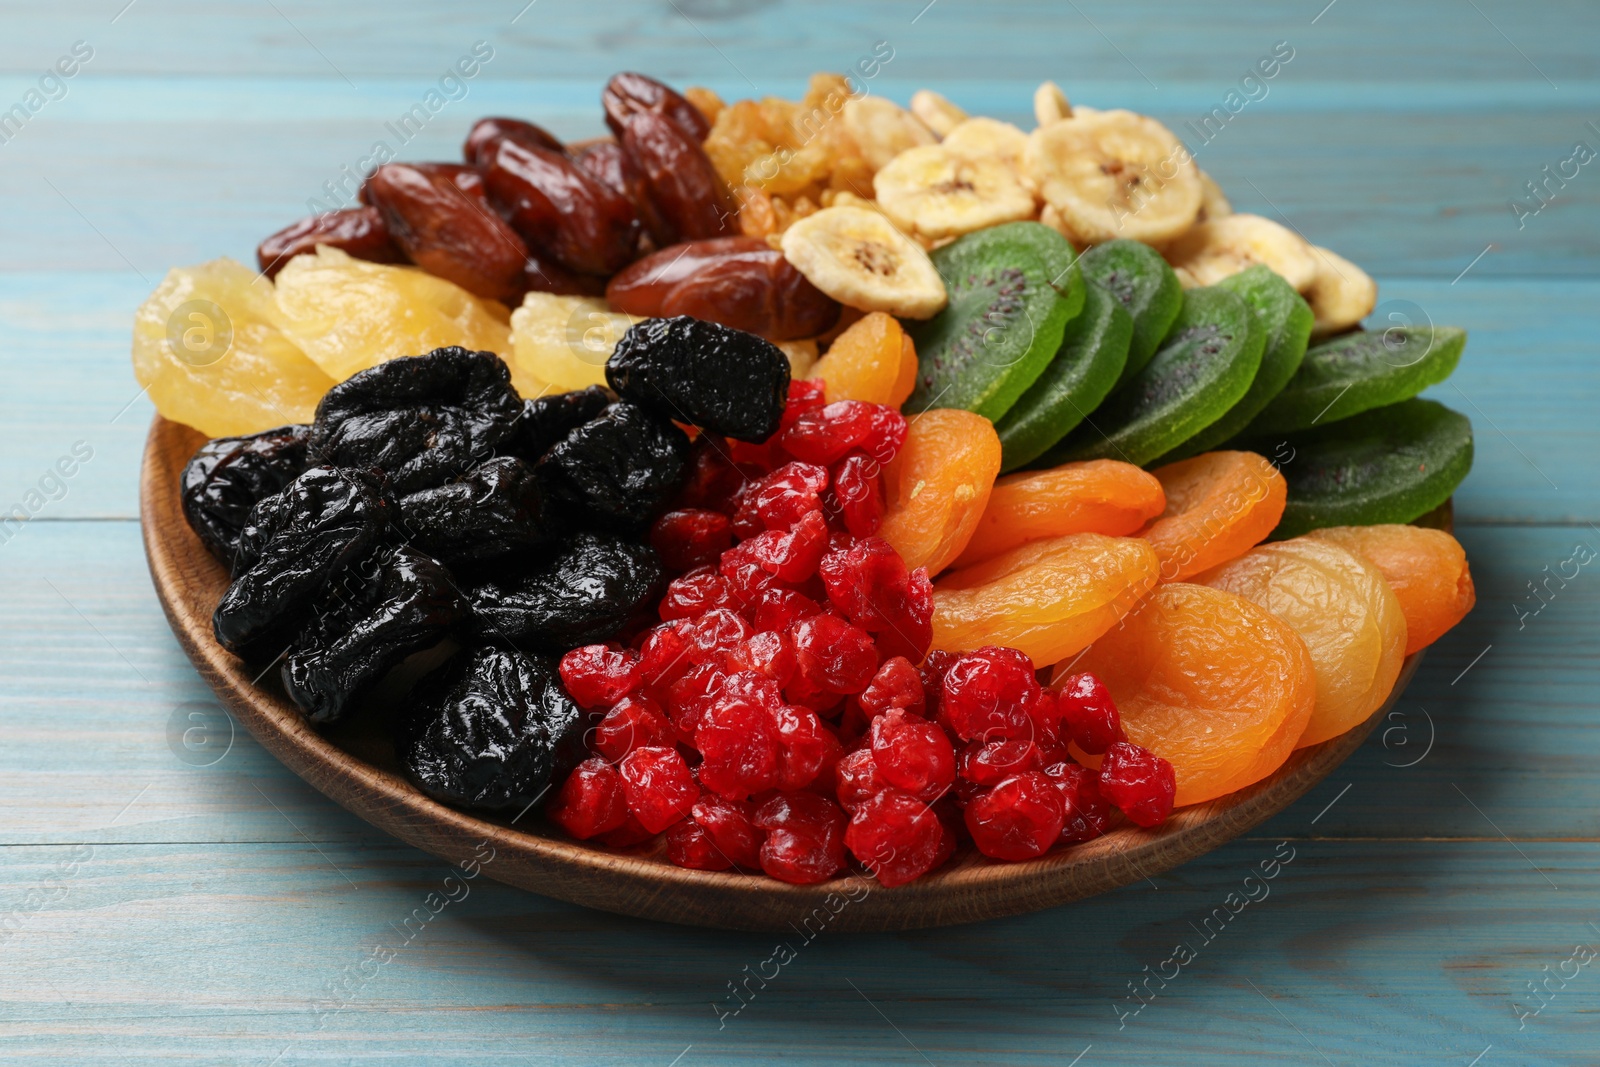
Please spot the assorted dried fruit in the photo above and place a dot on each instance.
(621, 425)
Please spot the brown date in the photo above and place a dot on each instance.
(360, 231)
(740, 282)
(440, 218)
(487, 132)
(542, 274)
(686, 189)
(628, 94)
(583, 224)
(607, 163)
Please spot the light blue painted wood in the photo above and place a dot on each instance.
(214, 913)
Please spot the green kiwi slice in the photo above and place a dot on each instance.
(1136, 275)
(1360, 371)
(1013, 289)
(1093, 350)
(1389, 464)
(1206, 365)
(1287, 320)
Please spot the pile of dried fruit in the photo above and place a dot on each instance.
(744, 577)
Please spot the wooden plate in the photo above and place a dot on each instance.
(355, 766)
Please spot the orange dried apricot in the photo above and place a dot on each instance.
(1343, 610)
(1049, 599)
(864, 362)
(1219, 504)
(1210, 682)
(906, 383)
(1427, 569)
(939, 484)
(1101, 496)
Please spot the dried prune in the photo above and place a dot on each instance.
(360, 231)
(607, 163)
(584, 225)
(422, 420)
(704, 374)
(582, 594)
(436, 216)
(618, 470)
(486, 133)
(547, 419)
(378, 612)
(628, 94)
(292, 544)
(230, 475)
(493, 510)
(490, 730)
(741, 282)
(688, 193)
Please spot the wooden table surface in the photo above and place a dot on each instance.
(1436, 899)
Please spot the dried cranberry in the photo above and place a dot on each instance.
(739, 740)
(600, 675)
(712, 634)
(694, 594)
(829, 434)
(833, 655)
(896, 837)
(688, 845)
(913, 754)
(806, 746)
(896, 685)
(636, 722)
(987, 763)
(690, 697)
(590, 802)
(1018, 819)
(932, 670)
(858, 493)
(691, 537)
(1088, 811)
(769, 653)
(1139, 782)
(1088, 714)
(805, 839)
(662, 658)
(658, 785)
(857, 779)
(731, 827)
(869, 582)
(781, 499)
(988, 694)
(779, 609)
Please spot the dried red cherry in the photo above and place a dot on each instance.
(1139, 782)
(1018, 819)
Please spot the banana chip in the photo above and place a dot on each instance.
(937, 193)
(936, 112)
(1221, 248)
(883, 129)
(858, 257)
(1341, 293)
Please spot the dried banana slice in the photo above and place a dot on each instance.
(858, 257)
(1114, 174)
(1341, 293)
(1221, 248)
(883, 129)
(982, 138)
(1050, 104)
(937, 193)
(936, 112)
(1213, 204)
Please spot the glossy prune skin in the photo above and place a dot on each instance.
(422, 420)
(607, 163)
(378, 612)
(688, 194)
(585, 226)
(488, 132)
(291, 547)
(628, 94)
(438, 217)
(496, 509)
(702, 373)
(230, 475)
(585, 592)
(490, 730)
(547, 419)
(616, 471)
(741, 282)
(359, 231)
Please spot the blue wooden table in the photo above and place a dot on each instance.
(1437, 897)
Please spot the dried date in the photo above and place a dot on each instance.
(439, 218)
(688, 193)
(583, 225)
(359, 231)
(704, 374)
(607, 163)
(541, 274)
(488, 132)
(230, 475)
(627, 94)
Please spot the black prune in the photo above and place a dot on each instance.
(292, 543)
(584, 593)
(422, 420)
(704, 374)
(230, 475)
(618, 470)
(493, 510)
(547, 419)
(490, 730)
(395, 602)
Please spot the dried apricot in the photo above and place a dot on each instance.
(906, 383)
(1219, 504)
(938, 486)
(864, 363)
(1101, 496)
(1427, 569)
(1342, 608)
(1210, 682)
(1049, 599)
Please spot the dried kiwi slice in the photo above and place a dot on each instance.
(1136, 275)
(1205, 367)
(1093, 351)
(1287, 319)
(1361, 371)
(1013, 289)
(1390, 464)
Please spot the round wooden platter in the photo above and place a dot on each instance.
(354, 765)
